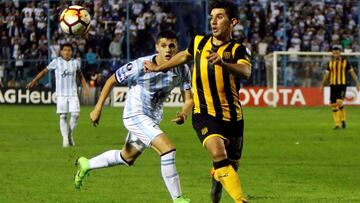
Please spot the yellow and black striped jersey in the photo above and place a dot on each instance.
(338, 70)
(216, 91)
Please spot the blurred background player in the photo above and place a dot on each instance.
(335, 75)
(143, 112)
(219, 62)
(66, 69)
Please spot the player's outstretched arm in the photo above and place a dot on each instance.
(355, 78)
(242, 69)
(34, 81)
(188, 104)
(96, 113)
(178, 59)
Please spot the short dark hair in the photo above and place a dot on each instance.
(168, 34)
(66, 45)
(336, 48)
(231, 9)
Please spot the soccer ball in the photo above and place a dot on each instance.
(75, 20)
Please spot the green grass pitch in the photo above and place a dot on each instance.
(290, 155)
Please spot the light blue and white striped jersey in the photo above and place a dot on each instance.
(148, 91)
(65, 76)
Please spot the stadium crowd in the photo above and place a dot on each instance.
(265, 26)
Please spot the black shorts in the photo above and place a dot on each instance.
(337, 92)
(232, 131)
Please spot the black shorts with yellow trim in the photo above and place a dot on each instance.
(207, 126)
(337, 92)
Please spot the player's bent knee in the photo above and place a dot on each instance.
(75, 115)
(216, 147)
(162, 144)
(218, 155)
(63, 116)
(334, 106)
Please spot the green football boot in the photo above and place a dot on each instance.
(181, 200)
(83, 169)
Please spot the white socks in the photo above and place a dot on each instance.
(64, 129)
(66, 132)
(168, 169)
(170, 175)
(107, 159)
(73, 121)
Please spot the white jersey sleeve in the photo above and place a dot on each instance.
(53, 64)
(128, 72)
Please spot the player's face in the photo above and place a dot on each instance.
(166, 48)
(66, 53)
(336, 54)
(220, 23)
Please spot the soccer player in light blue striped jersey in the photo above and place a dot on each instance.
(66, 70)
(143, 113)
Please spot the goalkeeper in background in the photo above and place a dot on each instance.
(335, 75)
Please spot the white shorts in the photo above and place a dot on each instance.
(67, 105)
(142, 130)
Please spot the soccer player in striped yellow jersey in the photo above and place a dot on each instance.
(335, 75)
(219, 62)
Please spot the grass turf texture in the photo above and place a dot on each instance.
(290, 155)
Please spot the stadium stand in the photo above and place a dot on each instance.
(265, 26)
